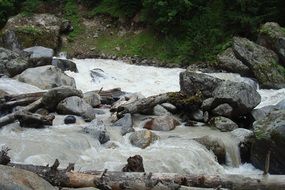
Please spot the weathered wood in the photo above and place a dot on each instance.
(10, 118)
(8, 98)
(126, 180)
(19, 102)
(33, 120)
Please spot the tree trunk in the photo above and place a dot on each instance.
(126, 180)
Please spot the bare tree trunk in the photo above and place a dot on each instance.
(126, 180)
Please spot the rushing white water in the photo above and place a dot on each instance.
(175, 151)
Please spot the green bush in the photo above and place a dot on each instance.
(6, 9)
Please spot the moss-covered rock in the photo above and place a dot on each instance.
(36, 30)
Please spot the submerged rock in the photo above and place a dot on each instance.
(46, 77)
(64, 64)
(162, 123)
(13, 178)
(270, 136)
(98, 130)
(143, 139)
(223, 124)
(126, 124)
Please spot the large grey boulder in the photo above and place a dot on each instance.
(143, 139)
(18, 179)
(39, 52)
(270, 136)
(53, 96)
(77, 106)
(12, 63)
(263, 63)
(191, 83)
(228, 62)
(46, 77)
(272, 36)
(37, 29)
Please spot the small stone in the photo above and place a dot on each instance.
(69, 119)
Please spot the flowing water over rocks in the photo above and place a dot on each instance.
(175, 151)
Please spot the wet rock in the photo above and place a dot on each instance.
(169, 107)
(46, 77)
(263, 63)
(51, 99)
(70, 119)
(223, 110)
(98, 130)
(12, 63)
(135, 164)
(64, 64)
(240, 96)
(191, 83)
(39, 52)
(272, 36)
(223, 124)
(214, 144)
(162, 123)
(126, 124)
(245, 138)
(281, 105)
(261, 113)
(143, 139)
(270, 135)
(158, 110)
(92, 98)
(197, 115)
(228, 62)
(76, 106)
(208, 104)
(36, 29)
(206, 117)
(13, 178)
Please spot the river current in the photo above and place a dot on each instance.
(176, 151)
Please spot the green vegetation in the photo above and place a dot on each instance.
(178, 30)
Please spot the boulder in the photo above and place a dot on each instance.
(13, 178)
(162, 123)
(208, 104)
(261, 113)
(46, 77)
(270, 136)
(76, 106)
(126, 124)
(51, 99)
(64, 64)
(281, 105)
(135, 164)
(169, 107)
(215, 145)
(245, 138)
(12, 63)
(228, 62)
(223, 110)
(98, 130)
(70, 119)
(240, 96)
(197, 115)
(272, 36)
(158, 110)
(92, 98)
(143, 139)
(33, 30)
(39, 52)
(223, 124)
(192, 83)
(262, 62)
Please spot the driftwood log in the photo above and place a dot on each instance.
(126, 180)
(33, 120)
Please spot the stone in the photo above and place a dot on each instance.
(281, 105)
(162, 123)
(12, 63)
(228, 62)
(143, 139)
(263, 63)
(135, 164)
(208, 104)
(158, 110)
(192, 83)
(46, 77)
(76, 106)
(197, 115)
(272, 36)
(64, 64)
(39, 52)
(34, 30)
(70, 119)
(270, 136)
(169, 107)
(10, 41)
(261, 113)
(13, 178)
(53, 96)
(215, 145)
(223, 124)
(223, 110)
(98, 130)
(33, 120)
(126, 124)
(92, 98)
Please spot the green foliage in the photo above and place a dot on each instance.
(6, 9)
(30, 6)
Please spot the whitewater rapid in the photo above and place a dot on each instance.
(175, 151)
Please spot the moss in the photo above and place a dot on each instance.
(33, 30)
(184, 101)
